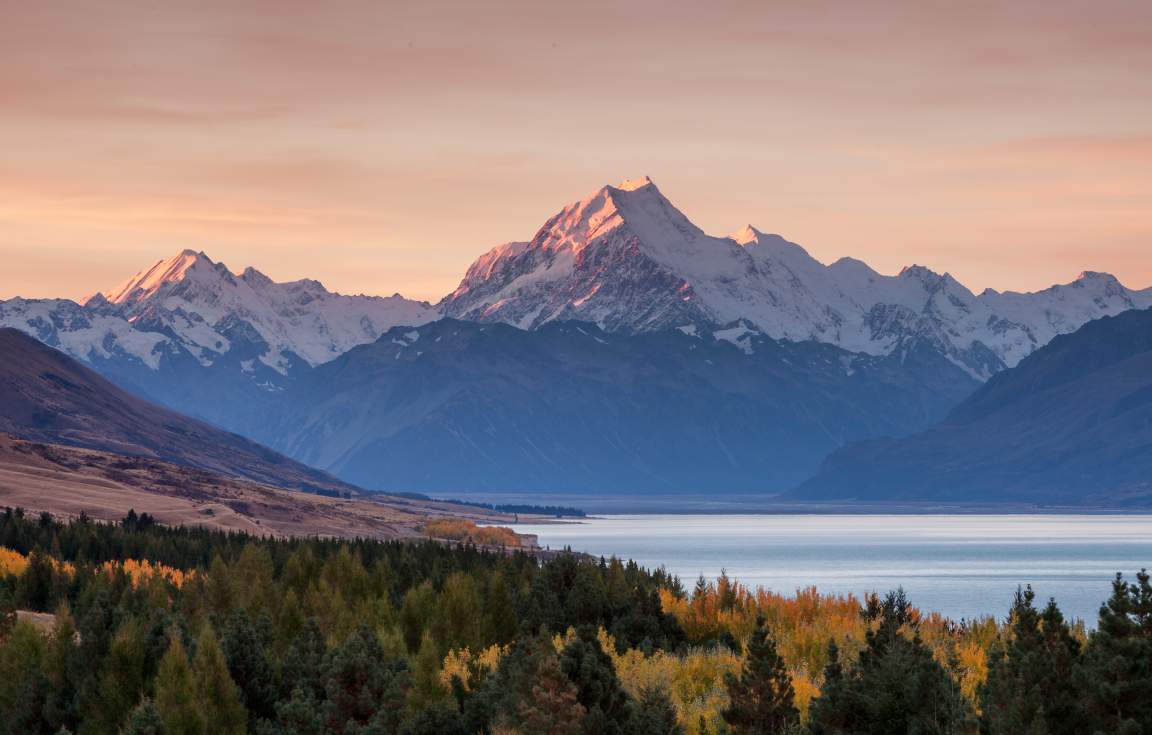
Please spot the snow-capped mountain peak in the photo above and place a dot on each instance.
(184, 265)
(628, 259)
(190, 304)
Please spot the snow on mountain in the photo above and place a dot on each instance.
(207, 307)
(190, 303)
(87, 334)
(628, 260)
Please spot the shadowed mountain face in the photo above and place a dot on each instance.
(568, 407)
(47, 396)
(1072, 423)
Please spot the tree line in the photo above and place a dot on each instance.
(180, 631)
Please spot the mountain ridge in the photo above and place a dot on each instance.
(598, 257)
(1071, 423)
(459, 405)
(50, 397)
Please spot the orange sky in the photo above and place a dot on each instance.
(380, 146)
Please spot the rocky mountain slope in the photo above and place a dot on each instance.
(464, 406)
(627, 260)
(49, 397)
(1071, 424)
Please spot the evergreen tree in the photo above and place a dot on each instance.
(761, 699)
(1117, 667)
(895, 687)
(301, 714)
(1031, 688)
(440, 718)
(608, 709)
(500, 611)
(176, 701)
(363, 688)
(552, 705)
(120, 685)
(655, 714)
(426, 687)
(303, 663)
(249, 666)
(217, 694)
(143, 720)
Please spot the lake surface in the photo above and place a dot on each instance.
(959, 565)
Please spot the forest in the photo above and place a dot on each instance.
(138, 628)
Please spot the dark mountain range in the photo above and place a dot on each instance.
(1071, 424)
(568, 407)
(46, 396)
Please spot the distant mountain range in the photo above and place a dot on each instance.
(603, 306)
(457, 405)
(1071, 424)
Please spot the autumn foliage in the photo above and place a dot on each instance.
(452, 529)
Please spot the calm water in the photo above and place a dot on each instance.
(959, 565)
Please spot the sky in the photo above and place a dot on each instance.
(381, 146)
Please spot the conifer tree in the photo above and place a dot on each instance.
(217, 695)
(362, 687)
(552, 705)
(608, 709)
(120, 684)
(249, 666)
(761, 699)
(1030, 688)
(1117, 666)
(896, 686)
(500, 611)
(655, 714)
(143, 720)
(176, 701)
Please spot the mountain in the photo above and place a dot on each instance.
(619, 284)
(212, 311)
(49, 397)
(1071, 424)
(454, 405)
(627, 260)
(188, 329)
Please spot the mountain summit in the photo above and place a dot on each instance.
(628, 260)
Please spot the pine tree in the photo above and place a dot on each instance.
(896, 685)
(217, 694)
(300, 714)
(1116, 672)
(608, 709)
(361, 686)
(303, 662)
(121, 681)
(655, 714)
(175, 692)
(552, 705)
(500, 611)
(1030, 688)
(143, 720)
(761, 699)
(440, 718)
(249, 666)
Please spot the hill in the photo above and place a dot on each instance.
(49, 397)
(1071, 424)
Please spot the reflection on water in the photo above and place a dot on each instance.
(961, 565)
